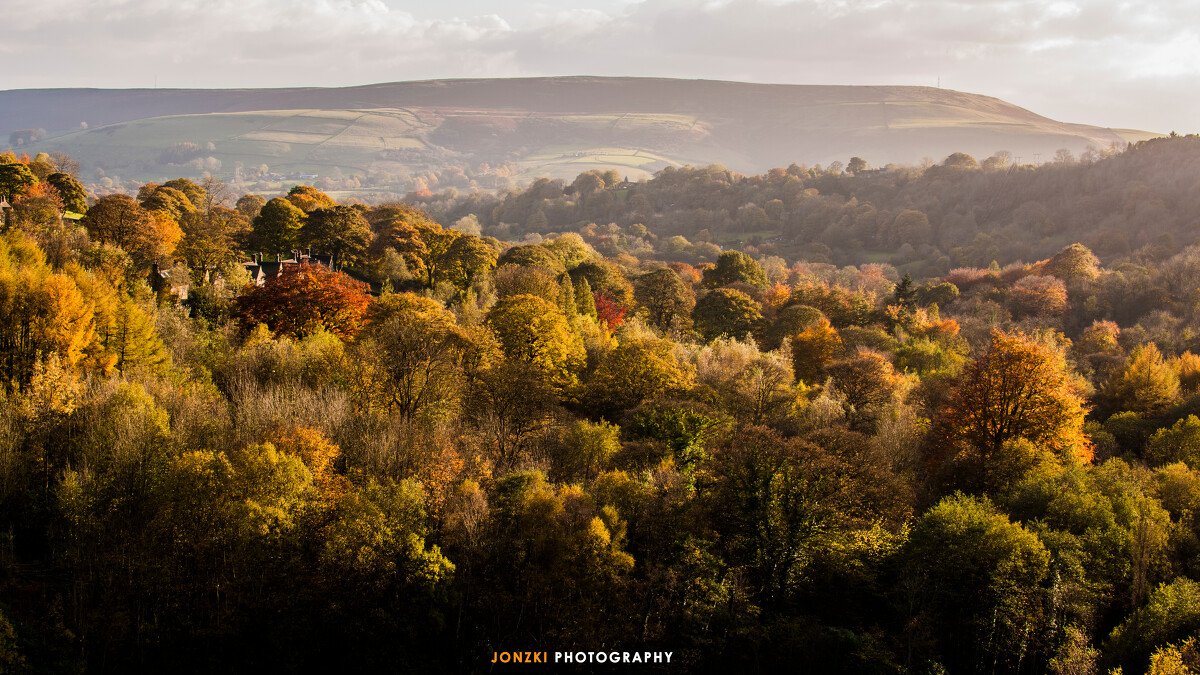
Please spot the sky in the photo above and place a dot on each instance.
(1111, 63)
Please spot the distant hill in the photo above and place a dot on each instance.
(521, 128)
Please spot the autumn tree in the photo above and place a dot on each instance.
(813, 348)
(297, 301)
(638, 369)
(118, 219)
(415, 353)
(1019, 387)
(865, 378)
(307, 198)
(1146, 384)
(534, 331)
(1038, 296)
(532, 255)
(249, 205)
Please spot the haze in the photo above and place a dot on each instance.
(1107, 63)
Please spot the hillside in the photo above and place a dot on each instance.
(521, 128)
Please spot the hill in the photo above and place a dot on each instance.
(521, 128)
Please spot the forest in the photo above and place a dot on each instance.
(912, 420)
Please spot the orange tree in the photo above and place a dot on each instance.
(1018, 388)
(302, 298)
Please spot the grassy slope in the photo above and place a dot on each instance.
(546, 126)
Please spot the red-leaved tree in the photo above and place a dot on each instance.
(611, 314)
(304, 297)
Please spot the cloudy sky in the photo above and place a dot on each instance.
(1114, 63)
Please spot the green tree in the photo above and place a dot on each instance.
(1179, 443)
(726, 312)
(974, 583)
(467, 259)
(339, 231)
(735, 266)
(667, 300)
(14, 178)
(74, 196)
(277, 227)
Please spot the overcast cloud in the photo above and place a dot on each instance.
(1104, 62)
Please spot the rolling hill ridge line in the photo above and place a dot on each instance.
(555, 126)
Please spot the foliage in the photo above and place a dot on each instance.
(725, 312)
(1018, 388)
(296, 302)
(534, 331)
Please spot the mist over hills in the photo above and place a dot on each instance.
(498, 130)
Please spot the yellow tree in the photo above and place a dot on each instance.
(815, 347)
(1147, 384)
(533, 330)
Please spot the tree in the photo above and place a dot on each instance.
(865, 378)
(14, 179)
(667, 300)
(770, 505)
(507, 404)
(637, 370)
(1074, 264)
(339, 231)
(604, 278)
(726, 312)
(1146, 384)
(170, 201)
(296, 302)
(1179, 443)
(416, 353)
(467, 259)
(195, 194)
(904, 295)
(975, 581)
(534, 331)
(1018, 388)
(813, 348)
(306, 198)
(132, 339)
(532, 255)
(277, 226)
(249, 205)
(734, 266)
(1038, 296)
(206, 242)
(856, 165)
(118, 219)
(74, 196)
